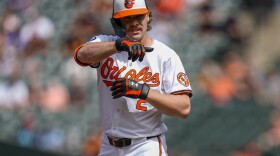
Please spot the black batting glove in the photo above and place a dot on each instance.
(129, 88)
(136, 50)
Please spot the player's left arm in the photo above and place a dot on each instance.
(169, 104)
(175, 101)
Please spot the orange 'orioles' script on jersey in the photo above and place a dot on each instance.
(109, 71)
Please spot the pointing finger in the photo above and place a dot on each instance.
(149, 49)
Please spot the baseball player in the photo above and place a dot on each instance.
(139, 80)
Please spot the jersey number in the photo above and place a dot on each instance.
(139, 105)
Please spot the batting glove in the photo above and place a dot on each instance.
(134, 48)
(129, 88)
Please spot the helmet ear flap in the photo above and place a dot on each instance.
(118, 29)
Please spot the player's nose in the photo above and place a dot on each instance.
(134, 22)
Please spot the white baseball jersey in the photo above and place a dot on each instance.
(125, 117)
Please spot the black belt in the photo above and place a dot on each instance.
(123, 142)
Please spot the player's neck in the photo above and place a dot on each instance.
(147, 41)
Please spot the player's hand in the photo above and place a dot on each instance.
(136, 50)
(129, 88)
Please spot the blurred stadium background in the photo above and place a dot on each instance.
(230, 50)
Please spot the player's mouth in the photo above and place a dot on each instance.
(135, 30)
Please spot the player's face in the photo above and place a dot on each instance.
(136, 26)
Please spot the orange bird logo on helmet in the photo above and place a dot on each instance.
(128, 4)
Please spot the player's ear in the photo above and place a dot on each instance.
(148, 17)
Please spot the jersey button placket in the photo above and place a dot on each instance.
(115, 122)
(116, 116)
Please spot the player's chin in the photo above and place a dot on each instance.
(137, 37)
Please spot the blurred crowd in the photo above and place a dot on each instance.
(37, 71)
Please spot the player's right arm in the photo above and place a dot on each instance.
(102, 46)
(94, 52)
